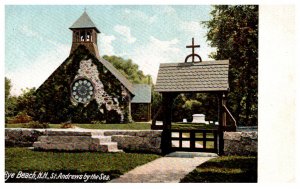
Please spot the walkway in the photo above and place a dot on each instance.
(168, 169)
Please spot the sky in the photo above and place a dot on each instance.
(37, 38)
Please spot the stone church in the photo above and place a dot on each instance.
(86, 88)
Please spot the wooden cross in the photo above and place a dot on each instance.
(193, 46)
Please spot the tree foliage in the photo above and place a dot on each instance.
(129, 69)
(26, 101)
(10, 101)
(233, 30)
(7, 88)
(187, 104)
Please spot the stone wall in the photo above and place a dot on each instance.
(128, 140)
(22, 137)
(240, 143)
(137, 141)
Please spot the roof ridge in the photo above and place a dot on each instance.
(117, 74)
(206, 63)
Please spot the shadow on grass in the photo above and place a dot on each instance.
(226, 169)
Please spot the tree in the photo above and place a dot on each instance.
(129, 69)
(10, 101)
(26, 101)
(7, 88)
(233, 30)
(187, 104)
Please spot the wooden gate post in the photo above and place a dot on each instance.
(222, 123)
(167, 101)
(224, 100)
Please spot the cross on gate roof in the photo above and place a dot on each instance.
(193, 55)
(208, 76)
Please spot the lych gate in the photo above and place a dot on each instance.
(193, 77)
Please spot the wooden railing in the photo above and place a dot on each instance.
(230, 115)
(153, 125)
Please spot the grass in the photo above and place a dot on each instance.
(113, 164)
(128, 126)
(192, 126)
(225, 169)
(22, 125)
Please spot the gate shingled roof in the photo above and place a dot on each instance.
(193, 77)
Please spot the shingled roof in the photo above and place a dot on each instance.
(193, 77)
(142, 93)
(84, 21)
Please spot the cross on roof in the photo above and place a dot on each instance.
(193, 46)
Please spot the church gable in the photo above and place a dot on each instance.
(82, 82)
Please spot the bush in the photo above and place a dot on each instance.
(22, 117)
(113, 117)
(67, 126)
(36, 125)
(139, 112)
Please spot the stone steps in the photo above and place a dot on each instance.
(102, 139)
(110, 147)
(76, 141)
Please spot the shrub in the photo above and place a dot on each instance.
(22, 117)
(113, 117)
(36, 125)
(67, 126)
(139, 112)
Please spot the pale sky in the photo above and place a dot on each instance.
(37, 38)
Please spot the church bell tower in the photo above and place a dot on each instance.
(85, 33)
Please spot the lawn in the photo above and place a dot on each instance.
(128, 126)
(113, 164)
(192, 126)
(229, 169)
(23, 125)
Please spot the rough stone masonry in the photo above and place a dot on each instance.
(235, 143)
(85, 139)
(240, 143)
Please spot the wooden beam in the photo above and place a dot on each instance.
(167, 101)
(149, 112)
(224, 100)
(221, 125)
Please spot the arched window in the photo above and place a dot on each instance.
(82, 36)
(76, 36)
(89, 36)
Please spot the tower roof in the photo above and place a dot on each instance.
(84, 21)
